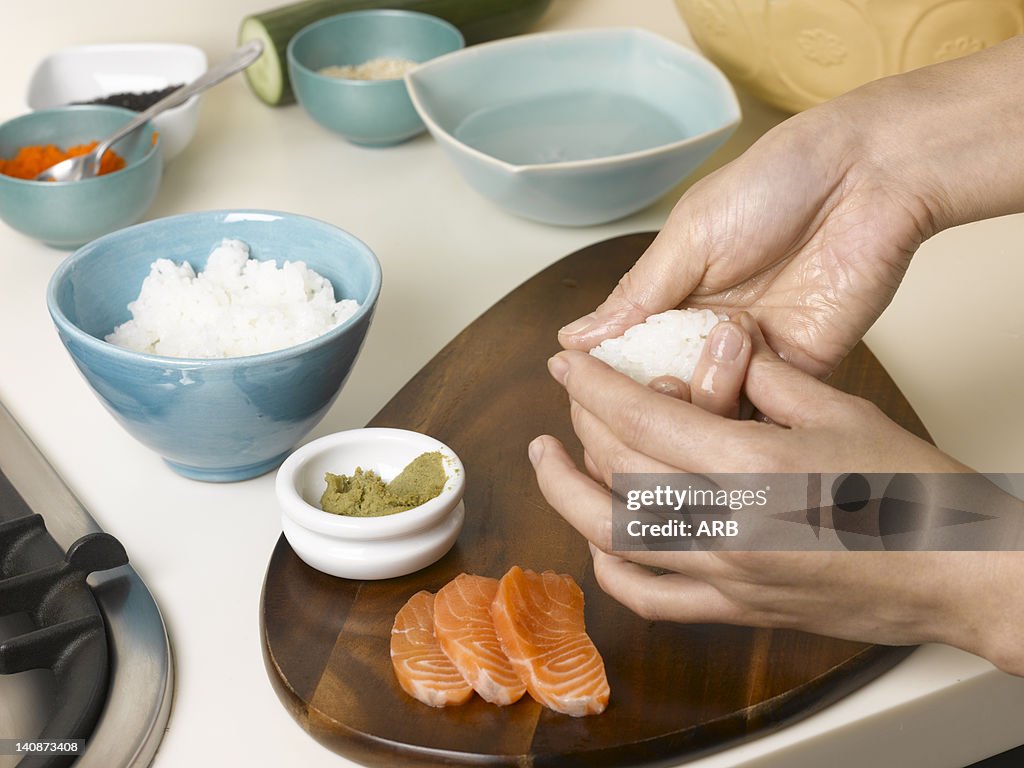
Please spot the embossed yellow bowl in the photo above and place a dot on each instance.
(798, 53)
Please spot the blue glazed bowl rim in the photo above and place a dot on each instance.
(105, 178)
(466, 56)
(293, 60)
(100, 346)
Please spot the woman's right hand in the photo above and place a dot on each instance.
(812, 228)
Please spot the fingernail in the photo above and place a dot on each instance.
(726, 342)
(671, 386)
(578, 326)
(558, 368)
(665, 387)
(536, 450)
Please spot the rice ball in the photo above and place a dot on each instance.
(667, 344)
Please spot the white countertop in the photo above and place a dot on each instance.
(448, 254)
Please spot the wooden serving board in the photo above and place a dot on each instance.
(677, 691)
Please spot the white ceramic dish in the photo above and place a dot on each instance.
(368, 547)
(88, 72)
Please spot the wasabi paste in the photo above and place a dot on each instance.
(365, 494)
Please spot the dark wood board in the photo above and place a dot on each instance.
(677, 691)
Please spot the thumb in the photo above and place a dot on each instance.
(781, 391)
(666, 273)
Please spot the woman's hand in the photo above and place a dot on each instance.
(716, 384)
(890, 597)
(966, 599)
(800, 231)
(812, 228)
(815, 428)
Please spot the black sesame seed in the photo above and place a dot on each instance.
(135, 101)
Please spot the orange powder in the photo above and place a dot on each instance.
(31, 161)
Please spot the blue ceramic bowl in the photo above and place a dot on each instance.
(371, 112)
(579, 127)
(66, 214)
(225, 419)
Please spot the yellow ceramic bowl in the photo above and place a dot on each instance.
(797, 53)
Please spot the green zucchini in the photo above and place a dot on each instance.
(478, 20)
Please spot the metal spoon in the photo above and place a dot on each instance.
(88, 165)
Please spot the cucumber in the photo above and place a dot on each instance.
(478, 20)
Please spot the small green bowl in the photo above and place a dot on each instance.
(66, 214)
(370, 112)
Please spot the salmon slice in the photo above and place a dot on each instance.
(422, 669)
(462, 623)
(539, 621)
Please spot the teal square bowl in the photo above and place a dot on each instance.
(65, 214)
(370, 112)
(579, 127)
(228, 418)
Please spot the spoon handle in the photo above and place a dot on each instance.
(241, 58)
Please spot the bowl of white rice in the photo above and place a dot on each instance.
(217, 339)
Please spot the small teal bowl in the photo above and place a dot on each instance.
(65, 214)
(369, 112)
(575, 128)
(225, 419)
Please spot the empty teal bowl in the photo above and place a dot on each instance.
(66, 214)
(371, 112)
(579, 127)
(228, 418)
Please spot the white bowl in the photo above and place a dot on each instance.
(88, 72)
(368, 547)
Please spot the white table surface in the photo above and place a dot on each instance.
(448, 254)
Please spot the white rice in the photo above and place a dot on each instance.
(667, 344)
(374, 69)
(235, 306)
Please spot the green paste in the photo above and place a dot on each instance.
(365, 494)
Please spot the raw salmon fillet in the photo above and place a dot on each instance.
(539, 620)
(462, 623)
(422, 669)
